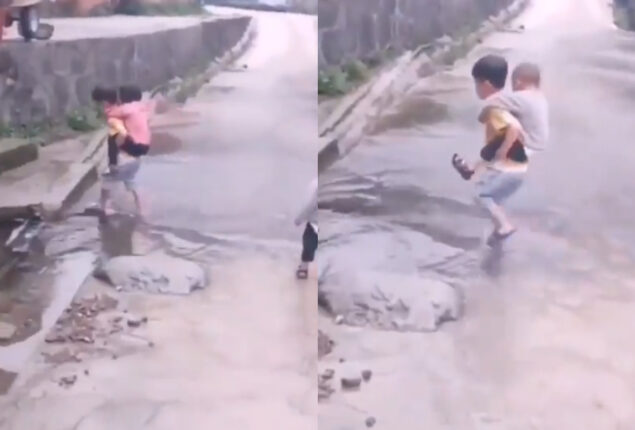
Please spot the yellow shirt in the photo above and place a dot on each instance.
(115, 126)
(496, 123)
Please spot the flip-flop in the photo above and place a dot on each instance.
(461, 166)
(302, 273)
(497, 237)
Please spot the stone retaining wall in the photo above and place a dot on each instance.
(47, 80)
(364, 29)
(624, 12)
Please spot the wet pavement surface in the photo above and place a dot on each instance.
(546, 315)
(221, 193)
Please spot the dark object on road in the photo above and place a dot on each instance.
(325, 344)
(27, 16)
(137, 322)
(367, 375)
(351, 383)
(67, 381)
(370, 421)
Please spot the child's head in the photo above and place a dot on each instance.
(130, 93)
(525, 75)
(105, 96)
(490, 75)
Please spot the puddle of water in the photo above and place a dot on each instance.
(164, 143)
(59, 288)
(411, 112)
(6, 380)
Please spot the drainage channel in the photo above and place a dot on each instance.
(34, 291)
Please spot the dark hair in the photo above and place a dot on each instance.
(491, 68)
(104, 95)
(528, 71)
(130, 93)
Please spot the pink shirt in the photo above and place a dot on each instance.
(136, 119)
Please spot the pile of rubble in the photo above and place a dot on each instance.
(80, 322)
(85, 329)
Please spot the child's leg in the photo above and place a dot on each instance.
(309, 246)
(105, 198)
(129, 172)
(113, 150)
(479, 167)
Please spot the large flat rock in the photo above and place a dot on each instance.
(155, 273)
(47, 184)
(392, 301)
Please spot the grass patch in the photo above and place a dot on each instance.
(336, 81)
(84, 120)
(137, 8)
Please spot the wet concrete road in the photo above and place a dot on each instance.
(221, 192)
(545, 335)
(243, 166)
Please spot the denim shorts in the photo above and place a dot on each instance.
(125, 172)
(498, 186)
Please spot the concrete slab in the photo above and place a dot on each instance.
(48, 183)
(15, 153)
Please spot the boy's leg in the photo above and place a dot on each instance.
(113, 150)
(309, 246)
(129, 173)
(495, 188)
(105, 196)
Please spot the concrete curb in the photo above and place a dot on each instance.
(347, 124)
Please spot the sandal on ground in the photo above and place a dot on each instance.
(302, 273)
(497, 237)
(461, 166)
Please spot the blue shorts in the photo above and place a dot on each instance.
(125, 172)
(497, 186)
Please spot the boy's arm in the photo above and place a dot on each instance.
(119, 111)
(118, 126)
(512, 134)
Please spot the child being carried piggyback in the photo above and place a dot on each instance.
(129, 136)
(516, 126)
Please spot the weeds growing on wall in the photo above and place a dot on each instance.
(340, 80)
(137, 8)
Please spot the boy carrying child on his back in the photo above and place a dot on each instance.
(128, 138)
(516, 125)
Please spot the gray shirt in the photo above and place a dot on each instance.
(532, 110)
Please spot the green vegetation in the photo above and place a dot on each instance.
(340, 80)
(78, 121)
(137, 8)
(84, 120)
